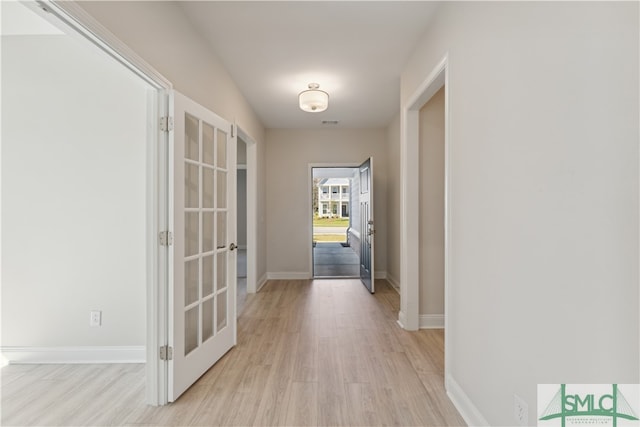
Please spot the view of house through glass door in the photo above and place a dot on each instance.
(335, 222)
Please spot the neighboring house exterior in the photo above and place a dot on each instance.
(333, 198)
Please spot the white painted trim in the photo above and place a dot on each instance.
(252, 211)
(157, 256)
(289, 275)
(402, 319)
(80, 20)
(434, 81)
(232, 224)
(394, 282)
(472, 416)
(46, 355)
(431, 321)
(448, 260)
(162, 310)
(409, 219)
(261, 282)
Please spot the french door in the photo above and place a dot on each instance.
(202, 288)
(367, 230)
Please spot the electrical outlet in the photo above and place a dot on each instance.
(96, 318)
(520, 411)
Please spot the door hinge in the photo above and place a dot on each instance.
(166, 123)
(166, 352)
(166, 238)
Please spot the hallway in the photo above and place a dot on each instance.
(321, 352)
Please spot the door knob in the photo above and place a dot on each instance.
(232, 246)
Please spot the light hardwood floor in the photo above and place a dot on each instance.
(322, 352)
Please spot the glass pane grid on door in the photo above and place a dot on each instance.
(205, 212)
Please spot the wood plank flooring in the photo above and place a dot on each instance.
(309, 353)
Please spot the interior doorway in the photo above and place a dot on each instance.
(70, 204)
(334, 190)
(435, 86)
(101, 255)
(242, 224)
(76, 30)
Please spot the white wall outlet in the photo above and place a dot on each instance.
(96, 318)
(520, 411)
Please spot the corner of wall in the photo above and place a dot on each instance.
(469, 412)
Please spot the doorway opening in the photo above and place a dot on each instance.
(103, 255)
(335, 208)
(432, 94)
(241, 213)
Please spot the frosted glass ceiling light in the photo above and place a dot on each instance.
(313, 100)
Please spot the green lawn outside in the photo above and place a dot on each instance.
(331, 222)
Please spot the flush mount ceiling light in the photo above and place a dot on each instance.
(313, 100)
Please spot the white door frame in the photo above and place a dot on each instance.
(252, 208)
(408, 317)
(157, 186)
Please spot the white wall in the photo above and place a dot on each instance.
(289, 154)
(544, 194)
(431, 139)
(73, 195)
(393, 201)
(160, 33)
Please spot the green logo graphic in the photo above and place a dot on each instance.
(565, 406)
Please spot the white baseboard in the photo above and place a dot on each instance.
(394, 282)
(472, 416)
(431, 321)
(261, 282)
(292, 275)
(402, 319)
(45, 355)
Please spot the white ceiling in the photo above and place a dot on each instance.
(355, 50)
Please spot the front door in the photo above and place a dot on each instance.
(367, 230)
(202, 289)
